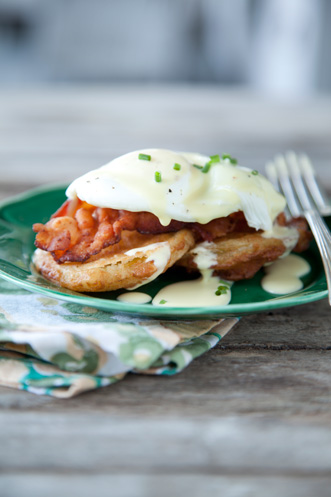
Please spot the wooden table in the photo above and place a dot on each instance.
(249, 418)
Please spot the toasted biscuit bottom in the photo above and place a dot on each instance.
(237, 256)
(114, 268)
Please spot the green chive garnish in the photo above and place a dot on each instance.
(206, 167)
(144, 157)
(158, 177)
(255, 172)
(215, 158)
(231, 159)
(162, 301)
(221, 290)
(198, 167)
(177, 167)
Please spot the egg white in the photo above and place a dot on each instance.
(188, 195)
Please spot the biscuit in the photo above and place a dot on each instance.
(236, 256)
(134, 261)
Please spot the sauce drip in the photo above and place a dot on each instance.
(289, 236)
(134, 298)
(283, 276)
(204, 257)
(194, 293)
(160, 257)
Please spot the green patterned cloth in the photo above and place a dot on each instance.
(61, 349)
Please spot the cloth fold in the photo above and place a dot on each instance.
(62, 349)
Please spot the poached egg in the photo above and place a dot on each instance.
(187, 187)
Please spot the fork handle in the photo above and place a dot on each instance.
(322, 237)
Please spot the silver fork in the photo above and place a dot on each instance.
(295, 176)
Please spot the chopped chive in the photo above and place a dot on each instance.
(231, 159)
(162, 301)
(158, 177)
(215, 158)
(144, 157)
(206, 167)
(198, 167)
(255, 172)
(177, 167)
(221, 290)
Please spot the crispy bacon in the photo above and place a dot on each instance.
(78, 230)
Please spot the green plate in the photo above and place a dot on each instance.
(17, 245)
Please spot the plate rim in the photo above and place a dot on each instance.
(110, 305)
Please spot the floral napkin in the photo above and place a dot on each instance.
(61, 349)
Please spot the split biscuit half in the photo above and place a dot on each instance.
(135, 260)
(235, 256)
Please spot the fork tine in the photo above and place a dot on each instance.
(289, 171)
(285, 183)
(316, 191)
(296, 176)
(272, 175)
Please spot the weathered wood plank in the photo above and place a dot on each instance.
(275, 364)
(55, 134)
(244, 383)
(284, 384)
(52, 442)
(10, 188)
(302, 327)
(148, 485)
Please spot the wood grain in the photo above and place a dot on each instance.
(128, 484)
(55, 134)
(251, 417)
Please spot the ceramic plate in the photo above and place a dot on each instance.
(17, 245)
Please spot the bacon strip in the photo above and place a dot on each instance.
(78, 230)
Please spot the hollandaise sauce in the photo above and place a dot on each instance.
(187, 187)
(206, 291)
(159, 254)
(283, 276)
(134, 298)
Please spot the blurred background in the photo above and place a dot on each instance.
(281, 47)
(82, 82)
